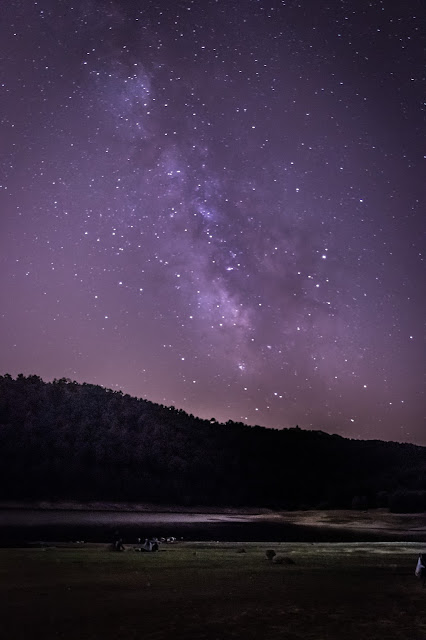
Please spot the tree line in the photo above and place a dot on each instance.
(65, 440)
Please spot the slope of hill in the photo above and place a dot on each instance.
(64, 440)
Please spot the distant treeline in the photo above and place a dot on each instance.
(64, 440)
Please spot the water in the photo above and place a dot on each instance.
(25, 526)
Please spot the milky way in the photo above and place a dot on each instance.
(219, 206)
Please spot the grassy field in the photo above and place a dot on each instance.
(213, 591)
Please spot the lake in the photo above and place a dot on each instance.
(21, 526)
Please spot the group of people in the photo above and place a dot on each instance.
(150, 544)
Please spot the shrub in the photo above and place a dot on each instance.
(282, 560)
(270, 554)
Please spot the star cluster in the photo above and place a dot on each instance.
(219, 206)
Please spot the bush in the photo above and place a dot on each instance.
(282, 560)
(270, 554)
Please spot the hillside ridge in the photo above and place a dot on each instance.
(63, 440)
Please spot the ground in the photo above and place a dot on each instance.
(209, 591)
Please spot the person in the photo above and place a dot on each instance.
(420, 571)
(147, 545)
(150, 544)
(118, 545)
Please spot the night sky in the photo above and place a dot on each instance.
(219, 205)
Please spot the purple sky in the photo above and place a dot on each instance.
(219, 205)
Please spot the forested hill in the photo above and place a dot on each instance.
(64, 440)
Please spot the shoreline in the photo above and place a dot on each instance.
(378, 521)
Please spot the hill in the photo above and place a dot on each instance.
(64, 440)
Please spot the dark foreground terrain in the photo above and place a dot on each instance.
(213, 591)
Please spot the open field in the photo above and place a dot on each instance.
(213, 591)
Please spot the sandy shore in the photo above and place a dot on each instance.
(373, 520)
